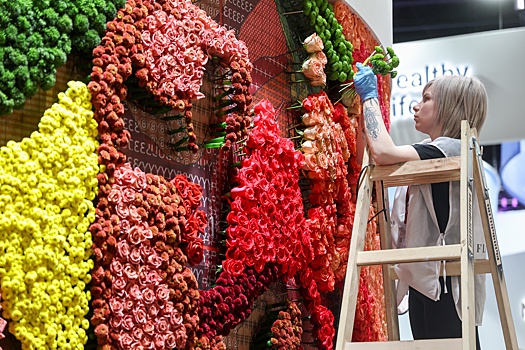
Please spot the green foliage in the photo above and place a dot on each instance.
(338, 50)
(37, 35)
(384, 63)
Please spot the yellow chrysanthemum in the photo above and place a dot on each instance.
(47, 183)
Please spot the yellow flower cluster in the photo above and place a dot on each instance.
(47, 184)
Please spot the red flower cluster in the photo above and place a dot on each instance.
(326, 153)
(143, 295)
(349, 126)
(230, 302)
(324, 331)
(112, 65)
(287, 330)
(266, 222)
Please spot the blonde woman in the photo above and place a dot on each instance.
(429, 214)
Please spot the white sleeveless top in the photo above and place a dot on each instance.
(422, 230)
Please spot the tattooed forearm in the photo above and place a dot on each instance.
(371, 116)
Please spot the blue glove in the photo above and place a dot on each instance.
(365, 82)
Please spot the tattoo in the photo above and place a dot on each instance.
(372, 125)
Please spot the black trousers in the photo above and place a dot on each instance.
(431, 319)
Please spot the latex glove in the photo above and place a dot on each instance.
(365, 82)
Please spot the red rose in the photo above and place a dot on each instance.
(234, 267)
(195, 251)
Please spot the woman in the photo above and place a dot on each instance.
(432, 211)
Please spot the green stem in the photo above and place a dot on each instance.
(227, 111)
(213, 145)
(226, 103)
(218, 125)
(236, 165)
(179, 143)
(172, 117)
(215, 140)
(176, 131)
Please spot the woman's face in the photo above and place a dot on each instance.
(425, 115)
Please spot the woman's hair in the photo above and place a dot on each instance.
(458, 98)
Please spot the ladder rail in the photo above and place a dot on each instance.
(353, 271)
(467, 241)
(496, 269)
(389, 287)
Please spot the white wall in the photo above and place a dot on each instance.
(377, 14)
(495, 57)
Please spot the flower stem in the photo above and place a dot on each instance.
(176, 131)
(292, 13)
(172, 117)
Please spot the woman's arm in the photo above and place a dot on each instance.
(382, 148)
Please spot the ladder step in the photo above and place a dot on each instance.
(427, 344)
(394, 256)
(418, 172)
(481, 266)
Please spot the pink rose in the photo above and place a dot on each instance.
(122, 210)
(162, 325)
(116, 306)
(127, 194)
(163, 293)
(116, 268)
(115, 322)
(135, 235)
(313, 68)
(313, 43)
(170, 341)
(149, 327)
(319, 81)
(115, 194)
(137, 333)
(135, 257)
(135, 292)
(140, 315)
(136, 346)
(322, 160)
(153, 310)
(159, 341)
(130, 271)
(127, 323)
(153, 277)
(124, 225)
(125, 341)
(119, 284)
(155, 260)
(148, 295)
(176, 317)
(123, 249)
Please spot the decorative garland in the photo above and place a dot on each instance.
(37, 36)
(48, 182)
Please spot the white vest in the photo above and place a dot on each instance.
(422, 230)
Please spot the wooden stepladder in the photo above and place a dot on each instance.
(468, 169)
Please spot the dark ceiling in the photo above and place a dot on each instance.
(426, 19)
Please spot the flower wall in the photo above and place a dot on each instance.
(107, 250)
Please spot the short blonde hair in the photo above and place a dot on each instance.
(458, 98)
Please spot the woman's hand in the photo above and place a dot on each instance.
(365, 82)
